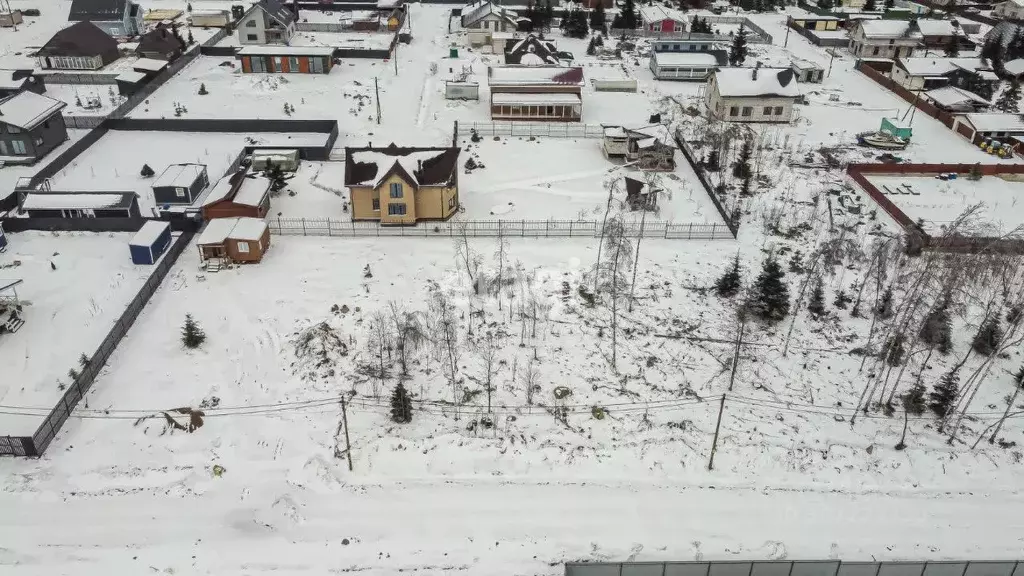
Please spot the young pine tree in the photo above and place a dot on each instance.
(890, 4)
(401, 405)
(192, 336)
(870, 6)
(628, 15)
(936, 330)
(146, 171)
(816, 303)
(884, 308)
(741, 169)
(941, 399)
(1009, 100)
(728, 284)
(952, 49)
(597, 17)
(738, 50)
(202, 90)
(913, 404)
(770, 295)
(990, 333)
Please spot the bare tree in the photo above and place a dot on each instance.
(444, 323)
(489, 355)
(379, 345)
(652, 183)
(410, 333)
(468, 260)
(531, 380)
(611, 275)
(501, 254)
(613, 188)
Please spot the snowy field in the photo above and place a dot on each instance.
(937, 203)
(346, 40)
(67, 312)
(317, 191)
(114, 162)
(566, 179)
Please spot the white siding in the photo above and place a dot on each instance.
(759, 109)
(252, 25)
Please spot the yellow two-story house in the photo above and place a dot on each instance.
(395, 185)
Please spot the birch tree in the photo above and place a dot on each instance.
(410, 333)
(610, 277)
(445, 329)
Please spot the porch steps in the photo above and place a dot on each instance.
(213, 265)
(13, 325)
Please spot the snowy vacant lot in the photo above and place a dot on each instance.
(67, 312)
(346, 40)
(114, 162)
(938, 202)
(566, 179)
(317, 191)
(82, 99)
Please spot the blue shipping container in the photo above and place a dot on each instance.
(150, 242)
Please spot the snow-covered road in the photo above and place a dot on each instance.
(488, 527)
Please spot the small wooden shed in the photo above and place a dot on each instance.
(234, 240)
(238, 194)
(150, 242)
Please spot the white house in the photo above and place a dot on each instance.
(884, 38)
(115, 17)
(657, 18)
(989, 125)
(752, 94)
(486, 23)
(926, 73)
(1009, 10)
(266, 22)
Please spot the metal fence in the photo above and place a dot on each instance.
(530, 129)
(74, 393)
(705, 184)
(321, 27)
(83, 122)
(494, 229)
(796, 568)
(80, 78)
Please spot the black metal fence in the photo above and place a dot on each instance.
(91, 224)
(38, 442)
(496, 228)
(796, 568)
(699, 171)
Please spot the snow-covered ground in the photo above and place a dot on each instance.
(75, 285)
(82, 99)
(939, 202)
(346, 40)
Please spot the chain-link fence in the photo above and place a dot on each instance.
(528, 129)
(796, 568)
(495, 228)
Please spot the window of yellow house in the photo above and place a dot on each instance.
(451, 202)
(396, 190)
(375, 200)
(396, 210)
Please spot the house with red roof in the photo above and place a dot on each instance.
(536, 93)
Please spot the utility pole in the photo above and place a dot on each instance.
(736, 352)
(714, 443)
(376, 89)
(789, 20)
(348, 445)
(395, 56)
(832, 59)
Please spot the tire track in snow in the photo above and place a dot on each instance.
(535, 182)
(428, 83)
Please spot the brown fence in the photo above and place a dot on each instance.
(947, 119)
(917, 238)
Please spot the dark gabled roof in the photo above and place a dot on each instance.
(160, 39)
(97, 10)
(79, 39)
(434, 170)
(517, 48)
(277, 11)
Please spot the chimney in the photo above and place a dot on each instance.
(419, 166)
(753, 75)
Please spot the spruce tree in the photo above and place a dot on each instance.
(884, 308)
(192, 336)
(738, 51)
(741, 169)
(990, 333)
(401, 405)
(1009, 100)
(941, 399)
(597, 17)
(714, 162)
(826, 4)
(870, 6)
(549, 14)
(913, 403)
(745, 187)
(894, 350)
(202, 90)
(816, 304)
(628, 14)
(975, 173)
(890, 4)
(728, 284)
(770, 295)
(952, 49)
(146, 171)
(936, 330)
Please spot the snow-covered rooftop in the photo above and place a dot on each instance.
(521, 98)
(179, 175)
(286, 51)
(888, 29)
(131, 76)
(409, 162)
(939, 28)
(149, 64)
(702, 59)
(26, 110)
(57, 201)
(220, 229)
(740, 82)
(149, 233)
(996, 122)
(952, 96)
(656, 13)
(534, 75)
(7, 81)
(252, 190)
(925, 66)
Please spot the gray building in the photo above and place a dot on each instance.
(80, 204)
(14, 81)
(30, 126)
(115, 17)
(180, 184)
(267, 22)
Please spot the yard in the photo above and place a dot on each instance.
(75, 285)
(86, 99)
(936, 203)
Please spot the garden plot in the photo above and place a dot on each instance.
(566, 179)
(86, 99)
(115, 161)
(75, 285)
(316, 191)
(936, 203)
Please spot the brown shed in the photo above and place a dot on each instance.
(234, 239)
(238, 194)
